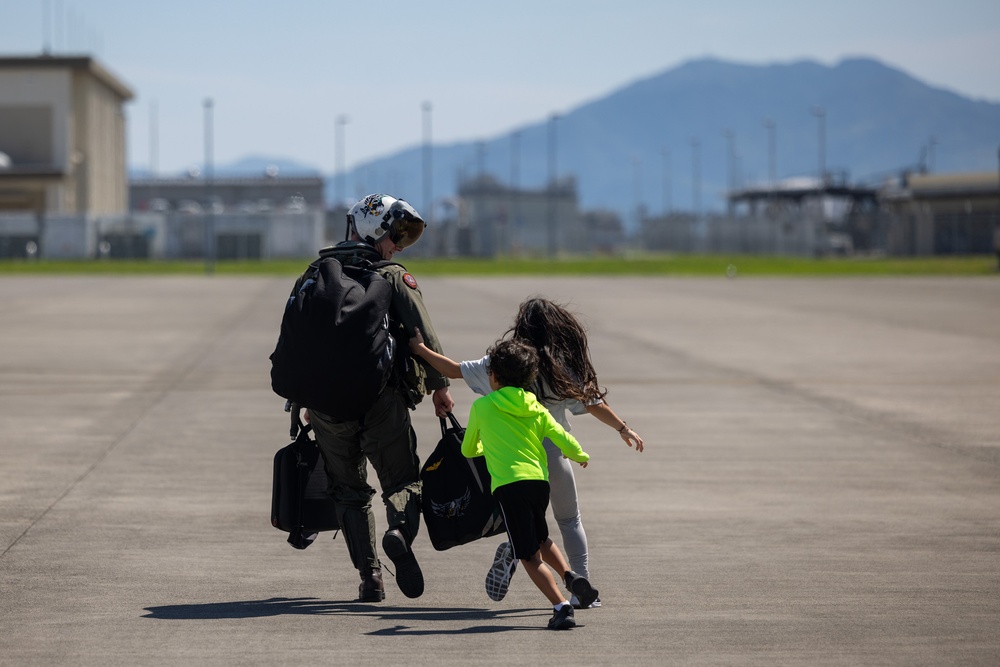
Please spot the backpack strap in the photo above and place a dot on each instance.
(372, 266)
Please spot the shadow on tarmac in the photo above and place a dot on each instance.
(280, 606)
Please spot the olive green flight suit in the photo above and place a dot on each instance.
(384, 436)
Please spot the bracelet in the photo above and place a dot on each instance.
(624, 426)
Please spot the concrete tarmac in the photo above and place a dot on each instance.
(820, 486)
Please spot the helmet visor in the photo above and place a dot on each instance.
(405, 226)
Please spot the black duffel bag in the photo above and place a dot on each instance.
(457, 504)
(300, 504)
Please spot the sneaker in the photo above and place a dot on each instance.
(301, 540)
(575, 601)
(585, 593)
(498, 578)
(409, 578)
(562, 619)
(371, 588)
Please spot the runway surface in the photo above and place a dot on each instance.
(821, 483)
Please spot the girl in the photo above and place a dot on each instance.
(566, 381)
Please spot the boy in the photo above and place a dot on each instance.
(507, 426)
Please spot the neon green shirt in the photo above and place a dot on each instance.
(507, 426)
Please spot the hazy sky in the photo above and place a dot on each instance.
(280, 73)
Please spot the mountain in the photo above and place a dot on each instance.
(877, 121)
(634, 145)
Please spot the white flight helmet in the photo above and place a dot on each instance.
(377, 215)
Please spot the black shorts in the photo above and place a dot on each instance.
(523, 505)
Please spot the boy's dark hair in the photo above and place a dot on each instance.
(513, 363)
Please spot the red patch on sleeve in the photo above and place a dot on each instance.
(410, 280)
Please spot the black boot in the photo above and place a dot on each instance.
(409, 578)
(371, 588)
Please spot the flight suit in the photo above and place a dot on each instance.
(384, 435)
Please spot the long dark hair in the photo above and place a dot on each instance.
(563, 354)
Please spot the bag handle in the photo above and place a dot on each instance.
(295, 410)
(454, 424)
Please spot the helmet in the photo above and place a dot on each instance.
(378, 214)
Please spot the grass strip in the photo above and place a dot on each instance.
(626, 265)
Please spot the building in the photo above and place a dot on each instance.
(493, 219)
(62, 149)
(803, 216)
(62, 129)
(942, 214)
(247, 194)
(807, 216)
(247, 217)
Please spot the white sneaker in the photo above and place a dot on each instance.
(498, 578)
(575, 601)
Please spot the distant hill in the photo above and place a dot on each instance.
(878, 121)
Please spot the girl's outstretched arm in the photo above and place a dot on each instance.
(606, 415)
(442, 364)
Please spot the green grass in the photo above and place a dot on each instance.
(711, 265)
(631, 265)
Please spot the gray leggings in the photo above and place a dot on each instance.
(566, 509)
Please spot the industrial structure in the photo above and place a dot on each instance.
(494, 219)
(915, 214)
(943, 214)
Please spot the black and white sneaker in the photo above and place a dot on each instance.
(575, 601)
(409, 578)
(498, 578)
(563, 618)
(581, 589)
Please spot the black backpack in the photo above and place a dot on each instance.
(335, 352)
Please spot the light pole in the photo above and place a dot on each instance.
(153, 151)
(769, 124)
(480, 159)
(515, 157)
(428, 192)
(339, 138)
(667, 185)
(730, 159)
(996, 219)
(637, 177)
(153, 147)
(59, 41)
(551, 226)
(514, 223)
(696, 178)
(46, 28)
(820, 114)
(209, 221)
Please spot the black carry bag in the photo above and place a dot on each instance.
(457, 504)
(300, 504)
